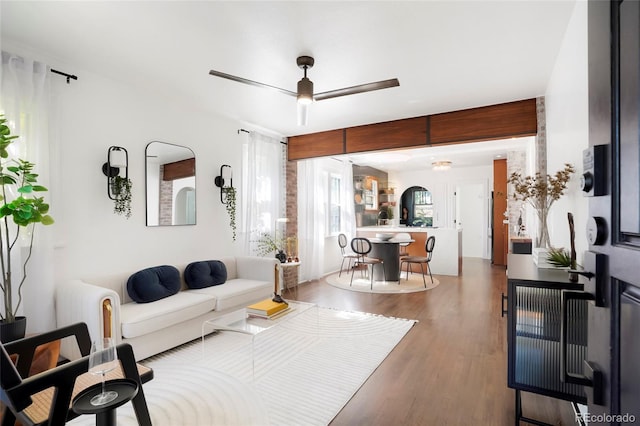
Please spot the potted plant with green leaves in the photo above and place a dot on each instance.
(559, 257)
(268, 244)
(20, 210)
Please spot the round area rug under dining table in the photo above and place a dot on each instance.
(362, 283)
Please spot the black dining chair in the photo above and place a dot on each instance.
(421, 260)
(362, 247)
(342, 242)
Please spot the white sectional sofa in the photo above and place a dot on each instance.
(105, 305)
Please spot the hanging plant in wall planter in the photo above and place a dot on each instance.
(230, 204)
(118, 186)
(122, 196)
(20, 208)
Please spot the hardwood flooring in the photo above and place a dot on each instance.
(451, 368)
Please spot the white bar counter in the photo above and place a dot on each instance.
(447, 253)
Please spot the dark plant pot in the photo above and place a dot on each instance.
(281, 256)
(10, 331)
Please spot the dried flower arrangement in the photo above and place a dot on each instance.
(541, 192)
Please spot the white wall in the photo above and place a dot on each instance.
(442, 185)
(96, 113)
(568, 129)
(90, 115)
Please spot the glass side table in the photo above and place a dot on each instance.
(282, 285)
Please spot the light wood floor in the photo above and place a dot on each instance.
(451, 368)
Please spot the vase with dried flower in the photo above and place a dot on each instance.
(541, 192)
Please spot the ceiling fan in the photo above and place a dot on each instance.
(305, 95)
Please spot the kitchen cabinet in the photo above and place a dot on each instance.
(447, 255)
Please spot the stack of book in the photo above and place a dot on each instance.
(267, 309)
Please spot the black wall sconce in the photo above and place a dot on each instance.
(224, 181)
(117, 159)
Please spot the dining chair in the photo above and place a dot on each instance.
(421, 260)
(342, 242)
(362, 247)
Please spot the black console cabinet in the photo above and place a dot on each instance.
(534, 312)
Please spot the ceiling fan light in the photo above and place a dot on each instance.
(303, 114)
(441, 165)
(305, 91)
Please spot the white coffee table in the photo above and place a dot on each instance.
(240, 321)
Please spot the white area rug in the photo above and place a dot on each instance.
(363, 284)
(304, 371)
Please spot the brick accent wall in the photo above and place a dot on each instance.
(541, 137)
(516, 162)
(166, 200)
(291, 276)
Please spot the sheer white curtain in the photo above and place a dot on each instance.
(26, 103)
(313, 196)
(312, 184)
(261, 188)
(348, 219)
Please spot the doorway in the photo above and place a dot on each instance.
(471, 217)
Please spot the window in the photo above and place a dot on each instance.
(416, 206)
(335, 208)
(422, 208)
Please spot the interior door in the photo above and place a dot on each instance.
(472, 219)
(612, 181)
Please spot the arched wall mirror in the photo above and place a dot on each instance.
(416, 207)
(170, 184)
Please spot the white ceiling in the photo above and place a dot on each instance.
(460, 155)
(447, 55)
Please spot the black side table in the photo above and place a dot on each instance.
(105, 414)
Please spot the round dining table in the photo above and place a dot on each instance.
(389, 252)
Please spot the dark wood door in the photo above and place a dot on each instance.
(500, 231)
(612, 181)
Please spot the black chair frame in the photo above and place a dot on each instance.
(16, 392)
(422, 260)
(362, 247)
(342, 242)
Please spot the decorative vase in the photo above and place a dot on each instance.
(281, 256)
(10, 331)
(542, 240)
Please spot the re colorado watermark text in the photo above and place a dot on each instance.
(605, 418)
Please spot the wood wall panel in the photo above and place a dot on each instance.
(485, 123)
(316, 145)
(179, 169)
(500, 231)
(406, 133)
(512, 119)
(417, 247)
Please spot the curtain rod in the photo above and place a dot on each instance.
(69, 76)
(283, 142)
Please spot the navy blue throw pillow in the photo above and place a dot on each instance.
(205, 273)
(151, 284)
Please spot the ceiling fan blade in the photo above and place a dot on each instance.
(251, 82)
(361, 88)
